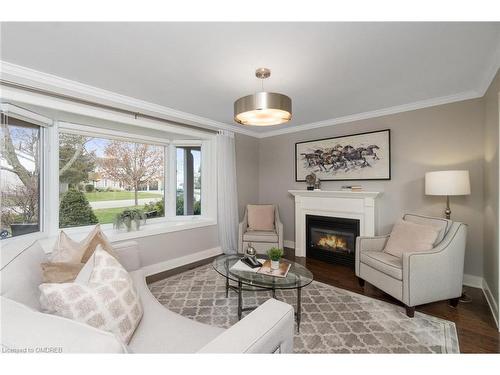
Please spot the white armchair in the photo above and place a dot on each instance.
(418, 277)
(261, 240)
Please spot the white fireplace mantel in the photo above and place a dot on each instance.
(360, 205)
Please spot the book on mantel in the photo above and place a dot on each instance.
(282, 271)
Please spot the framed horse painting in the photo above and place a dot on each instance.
(363, 156)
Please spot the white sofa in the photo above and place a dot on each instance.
(268, 329)
(418, 277)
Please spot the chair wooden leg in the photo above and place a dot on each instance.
(361, 282)
(410, 311)
(454, 302)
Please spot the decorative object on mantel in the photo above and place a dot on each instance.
(364, 156)
(352, 188)
(263, 108)
(452, 182)
(310, 180)
(447, 183)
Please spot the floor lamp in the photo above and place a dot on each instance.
(448, 183)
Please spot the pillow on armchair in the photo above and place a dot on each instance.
(409, 237)
(260, 217)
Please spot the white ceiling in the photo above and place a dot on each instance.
(330, 70)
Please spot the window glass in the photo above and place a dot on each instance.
(20, 177)
(101, 178)
(188, 192)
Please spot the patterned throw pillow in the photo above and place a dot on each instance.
(108, 301)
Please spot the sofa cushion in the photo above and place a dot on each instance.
(163, 331)
(21, 273)
(24, 328)
(260, 217)
(260, 236)
(443, 225)
(408, 237)
(108, 301)
(60, 272)
(383, 262)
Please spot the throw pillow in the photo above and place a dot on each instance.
(69, 251)
(260, 217)
(109, 301)
(60, 272)
(407, 237)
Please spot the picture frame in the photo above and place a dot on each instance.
(353, 157)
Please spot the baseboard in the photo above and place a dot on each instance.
(491, 301)
(156, 268)
(289, 244)
(473, 281)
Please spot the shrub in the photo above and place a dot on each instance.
(89, 188)
(75, 210)
(153, 209)
(179, 206)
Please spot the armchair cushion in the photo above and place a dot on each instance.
(261, 217)
(443, 225)
(383, 262)
(260, 236)
(411, 237)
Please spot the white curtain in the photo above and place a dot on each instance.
(227, 193)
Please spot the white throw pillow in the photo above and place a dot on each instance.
(408, 237)
(108, 301)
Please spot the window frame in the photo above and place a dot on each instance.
(46, 126)
(170, 222)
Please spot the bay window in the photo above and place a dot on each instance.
(188, 179)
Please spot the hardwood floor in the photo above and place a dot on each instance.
(477, 332)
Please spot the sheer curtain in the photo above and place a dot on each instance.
(227, 193)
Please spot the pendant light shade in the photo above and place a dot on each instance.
(263, 108)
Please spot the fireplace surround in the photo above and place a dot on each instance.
(358, 205)
(331, 239)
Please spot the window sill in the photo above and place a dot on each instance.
(152, 228)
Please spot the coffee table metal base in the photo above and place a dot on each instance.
(239, 290)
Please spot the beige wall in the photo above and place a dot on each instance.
(442, 137)
(491, 186)
(247, 170)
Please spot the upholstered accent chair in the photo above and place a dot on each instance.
(261, 240)
(418, 277)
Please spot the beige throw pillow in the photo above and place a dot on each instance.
(60, 272)
(260, 217)
(108, 301)
(69, 251)
(407, 237)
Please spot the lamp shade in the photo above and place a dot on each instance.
(447, 183)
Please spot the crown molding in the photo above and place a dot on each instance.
(44, 81)
(377, 113)
(27, 76)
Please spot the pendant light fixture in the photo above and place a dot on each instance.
(263, 108)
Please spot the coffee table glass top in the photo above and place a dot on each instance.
(298, 276)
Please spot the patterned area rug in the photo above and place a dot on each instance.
(333, 320)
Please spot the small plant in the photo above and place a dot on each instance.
(129, 217)
(275, 254)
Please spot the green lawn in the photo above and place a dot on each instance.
(107, 215)
(119, 195)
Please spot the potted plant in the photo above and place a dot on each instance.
(275, 255)
(130, 218)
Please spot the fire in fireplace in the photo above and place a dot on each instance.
(331, 239)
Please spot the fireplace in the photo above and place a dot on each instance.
(331, 239)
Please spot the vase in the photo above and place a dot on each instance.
(275, 264)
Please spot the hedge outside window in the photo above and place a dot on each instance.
(20, 162)
(100, 178)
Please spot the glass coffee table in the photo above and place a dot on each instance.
(298, 277)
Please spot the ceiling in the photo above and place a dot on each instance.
(330, 70)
